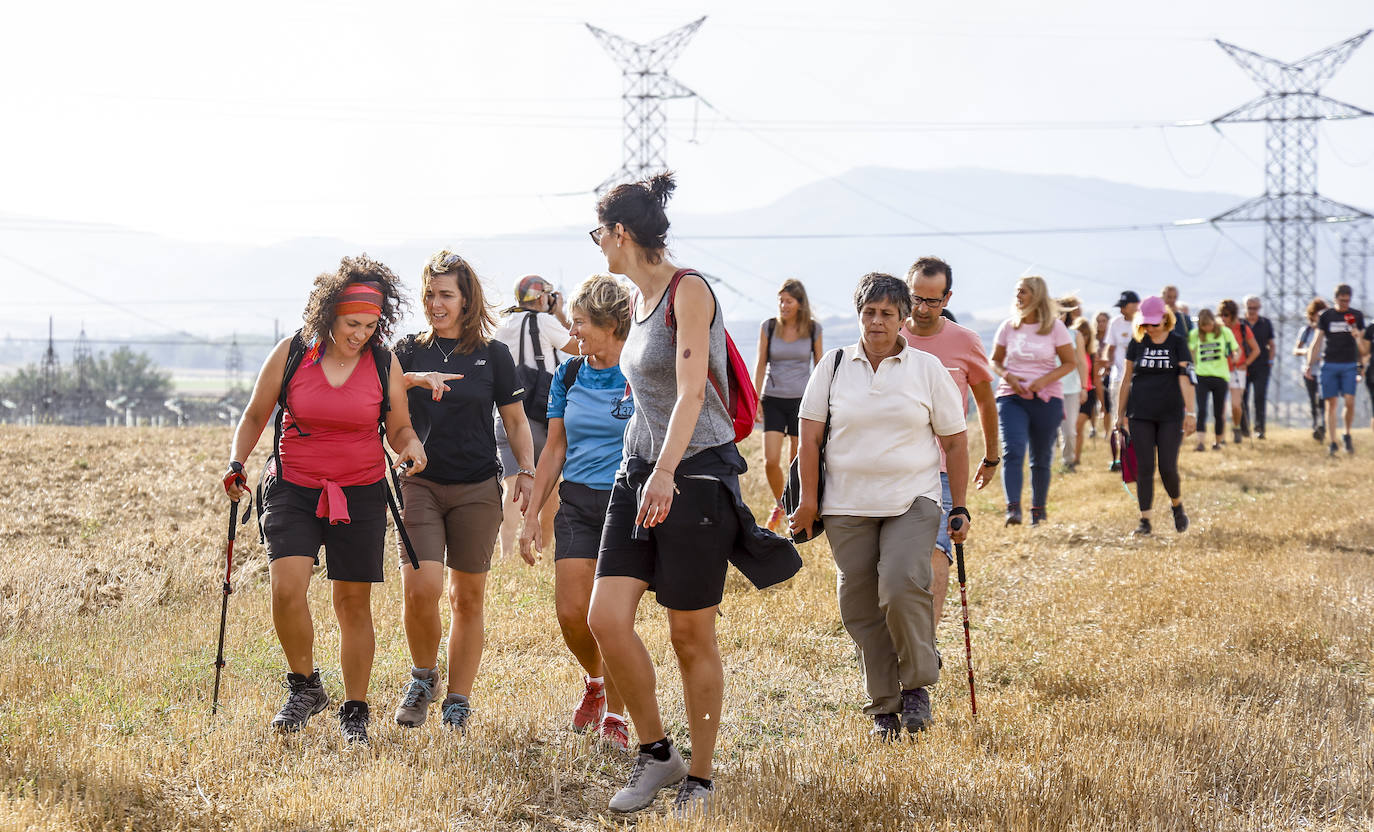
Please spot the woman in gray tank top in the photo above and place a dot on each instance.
(675, 518)
(788, 345)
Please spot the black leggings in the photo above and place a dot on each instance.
(1149, 437)
(1211, 387)
(1314, 400)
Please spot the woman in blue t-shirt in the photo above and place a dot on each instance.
(588, 410)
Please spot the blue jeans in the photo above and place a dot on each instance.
(1028, 422)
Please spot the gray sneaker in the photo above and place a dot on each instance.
(886, 727)
(693, 800)
(456, 712)
(419, 694)
(305, 697)
(647, 776)
(916, 710)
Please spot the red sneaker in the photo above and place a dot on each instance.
(775, 519)
(614, 732)
(593, 705)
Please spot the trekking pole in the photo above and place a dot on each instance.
(963, 601)
(224, 603)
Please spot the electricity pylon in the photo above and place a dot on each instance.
(1290, 108)
(50, 374)
(1355, 251)
(644, 66)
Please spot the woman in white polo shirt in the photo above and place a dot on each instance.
(882, 509)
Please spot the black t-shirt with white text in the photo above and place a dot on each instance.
(458, 431)
(1340, 330)
(1155, 394)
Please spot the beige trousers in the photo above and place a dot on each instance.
(885, 600)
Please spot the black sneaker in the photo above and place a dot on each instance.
(305, 697)
(1037, 516)
(1320, 433)
(1180, 518)
(1333, 449)
(1349, 446)
(353, 720)
(1259, 434)
(1143, 530)
(1115, 467)
(886, 727)
(1013, 514)
(916, 710)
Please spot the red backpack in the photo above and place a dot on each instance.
(741, 402)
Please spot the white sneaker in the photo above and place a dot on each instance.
(647, 776)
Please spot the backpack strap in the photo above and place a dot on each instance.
(670, 320)
(381, 359)
(768, 350)
(532, 319)
(295, 354)
(570, 371)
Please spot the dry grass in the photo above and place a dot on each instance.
(1218, 680)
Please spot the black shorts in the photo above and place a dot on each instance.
(1089, 407)
(780, 415)
(353, 550)
(684, 559)
(578, 523)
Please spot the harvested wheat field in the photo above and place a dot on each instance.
(1214, 680)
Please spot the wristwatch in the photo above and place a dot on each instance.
(991, 463)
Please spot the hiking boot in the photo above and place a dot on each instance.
(1259, 434)
(916, 710)
(1037, 516)
(1235, 436)
(693, 800)
(1115, 467)
(775, 518)
(1216, 446)
(1201, 447)
(1349, 446)
(1013, 514)
(614, 731)
(419, 694)
(305, 697)
(647, 776)
(1245, 430)
(353, 719)
(456, 712)
(886, 727)
(1180, 519)
(1333, 449)
(591, 708)
(1143, 530)
(1320, 433)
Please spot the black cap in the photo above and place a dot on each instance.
(1127, 297)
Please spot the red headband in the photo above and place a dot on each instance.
(360, 298)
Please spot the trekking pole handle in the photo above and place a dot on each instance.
(233, 517)
(402, 467)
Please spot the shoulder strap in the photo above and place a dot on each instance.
(834, 371)
(768, 350)
(670, 320)
(570, 371)
(533, 318)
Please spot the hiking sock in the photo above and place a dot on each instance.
(596, 680)
(704, 782)
(659, 750)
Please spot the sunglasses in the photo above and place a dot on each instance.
(442, 262)
(598, 232)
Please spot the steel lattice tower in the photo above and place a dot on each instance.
(233, 367)
(50, 374)
(1355, 252)
(1290, 108)
(644, 66)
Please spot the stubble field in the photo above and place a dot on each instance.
(1214, 680)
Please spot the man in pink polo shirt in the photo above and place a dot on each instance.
(961, 351)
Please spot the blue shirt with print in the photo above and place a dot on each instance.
(594, 411)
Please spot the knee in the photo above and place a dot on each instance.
(287, 595)
(608, 626)
(465, 604)
(572, 615)
(694, 643)
(421, 597)
(772, 458)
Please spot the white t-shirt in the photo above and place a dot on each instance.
(552, 335)
(1119, 332)
(883, 451)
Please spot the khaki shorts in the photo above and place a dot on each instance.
(456, 525)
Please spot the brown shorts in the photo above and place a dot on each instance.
(455, 524)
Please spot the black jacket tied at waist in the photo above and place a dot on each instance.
(761, 556)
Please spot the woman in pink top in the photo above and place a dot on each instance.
(1033, 351)
(330, 488)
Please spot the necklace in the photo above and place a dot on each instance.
(440, 347)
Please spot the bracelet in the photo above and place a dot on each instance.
(527, 472)
(1190, 413)
(659, 470)
(991, 463)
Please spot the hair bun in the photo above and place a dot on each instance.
(661, 187)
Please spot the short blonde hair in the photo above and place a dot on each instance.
(606, 302)
(1169, 321)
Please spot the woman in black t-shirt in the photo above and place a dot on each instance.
(1157, 397)
(455, 374)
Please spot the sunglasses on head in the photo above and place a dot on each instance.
(443, 261)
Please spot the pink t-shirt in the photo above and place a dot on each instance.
(1030, 355)
(960, 350)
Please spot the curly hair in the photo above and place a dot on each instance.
(319, 308)
(476, 321)
(606, 302)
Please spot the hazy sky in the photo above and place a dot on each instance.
(256, 121)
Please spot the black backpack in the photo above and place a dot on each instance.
(381, 359)
(536, 379)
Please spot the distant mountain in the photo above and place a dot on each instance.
(165, 287)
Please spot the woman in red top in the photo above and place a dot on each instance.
(330, 490)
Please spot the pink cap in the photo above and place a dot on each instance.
(1152, 310)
